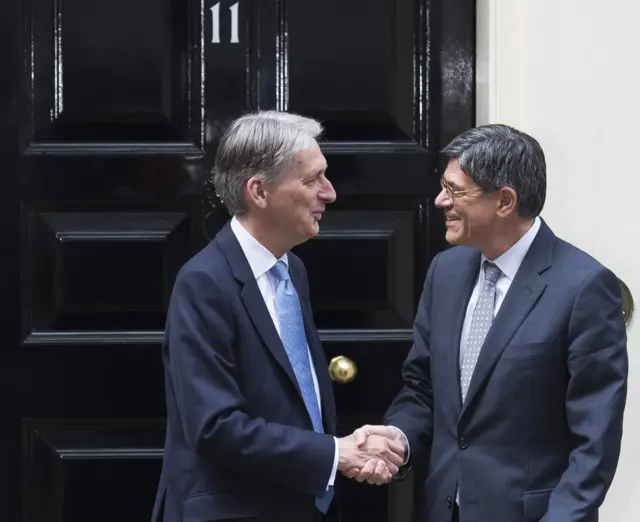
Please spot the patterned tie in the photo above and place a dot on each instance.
(294, 340)
(480, 324)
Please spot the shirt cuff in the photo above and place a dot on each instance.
(332, 478)
(407, 449)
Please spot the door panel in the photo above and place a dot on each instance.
(349, 290)
(350, 64)
(110, 114)
(116, 76)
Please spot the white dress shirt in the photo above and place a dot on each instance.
(261, 261)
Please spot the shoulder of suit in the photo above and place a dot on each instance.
(208, 263)
(573, 260)
(566, 252)
(454, 255)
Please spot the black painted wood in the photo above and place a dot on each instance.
(110, 113)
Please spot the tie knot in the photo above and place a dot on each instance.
(491, 272)
(279, 271)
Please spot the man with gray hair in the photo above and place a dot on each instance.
(515, 387)
(250, 408)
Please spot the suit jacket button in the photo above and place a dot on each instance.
(449, 502)
(463, 443)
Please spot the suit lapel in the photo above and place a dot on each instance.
(523, 294)
(318, 358)
(259, 314)
(459, 288)
(254, 302)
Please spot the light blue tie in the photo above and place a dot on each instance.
(294, 340)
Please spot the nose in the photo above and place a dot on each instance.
(443, 200)
(327, 193)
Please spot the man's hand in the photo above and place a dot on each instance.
(375, 471)
(384, 455)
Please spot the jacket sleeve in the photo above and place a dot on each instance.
(211, 404)
(597, 366)
(412, 409)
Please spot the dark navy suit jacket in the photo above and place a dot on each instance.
(538, 436)
(240, 444)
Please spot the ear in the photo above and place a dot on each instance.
(507, 202)
(255, 192)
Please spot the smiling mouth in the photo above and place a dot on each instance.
(450, 222)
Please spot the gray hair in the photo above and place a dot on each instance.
(260, 144)
(496, 156)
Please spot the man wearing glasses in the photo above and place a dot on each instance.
(515, 388)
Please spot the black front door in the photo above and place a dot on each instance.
(110, 114)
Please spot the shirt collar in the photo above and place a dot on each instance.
(509, 262)
(259, 258)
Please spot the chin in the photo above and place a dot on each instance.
(314, 229)
(306, 234)
(452, 239)
(311, 234)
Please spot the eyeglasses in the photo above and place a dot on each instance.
(453, 193)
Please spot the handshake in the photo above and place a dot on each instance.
(372, 453)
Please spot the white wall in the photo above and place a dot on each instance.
(565, 71)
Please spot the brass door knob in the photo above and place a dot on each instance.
(627, 302)
(342, 369)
